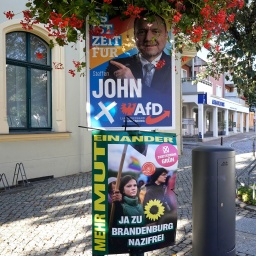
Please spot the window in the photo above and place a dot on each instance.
(184, 73)
(184, 115)
(195, 116)
(28, 81)
(218, 91)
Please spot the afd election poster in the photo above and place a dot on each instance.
(130, 73)
(134, 206)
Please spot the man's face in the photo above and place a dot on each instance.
(150, 37)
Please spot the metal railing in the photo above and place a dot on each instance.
(189, 79)
(4, 181)
(19, 170)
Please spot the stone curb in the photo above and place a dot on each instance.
(245, 206)
(16, 189)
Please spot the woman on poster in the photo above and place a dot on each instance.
(160, 201)
(125, 212)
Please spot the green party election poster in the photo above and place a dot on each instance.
(133, 200)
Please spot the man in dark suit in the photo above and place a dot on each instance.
(151, 64)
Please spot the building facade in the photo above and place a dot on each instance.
(211, 107)
(42, 105)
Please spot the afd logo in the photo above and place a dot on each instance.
(149, 110)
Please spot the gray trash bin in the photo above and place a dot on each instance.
(213, 201)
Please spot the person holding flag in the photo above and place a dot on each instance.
(129, 206)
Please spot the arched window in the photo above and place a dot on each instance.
(28, 80)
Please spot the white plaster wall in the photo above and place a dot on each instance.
(58, 157)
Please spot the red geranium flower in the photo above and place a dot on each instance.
(39, 55)
(72, 72)
(160, 64)
(58, 65)
(9, 15)
(76, 63)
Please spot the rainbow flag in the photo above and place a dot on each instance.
(135, 164)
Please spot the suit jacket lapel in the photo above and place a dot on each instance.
(162, 77)
(136, 67)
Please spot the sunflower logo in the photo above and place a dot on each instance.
(154, 209)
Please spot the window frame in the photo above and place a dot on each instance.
(28, 64)
(184, 72)
(59, 120)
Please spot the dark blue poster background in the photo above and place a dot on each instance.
(112, 99)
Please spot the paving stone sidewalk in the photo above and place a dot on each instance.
(54, 217)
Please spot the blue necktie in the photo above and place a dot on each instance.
(148, 74)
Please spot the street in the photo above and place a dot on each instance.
(53, 217)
